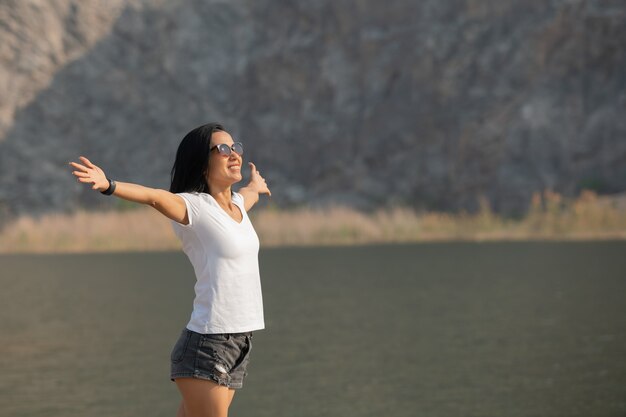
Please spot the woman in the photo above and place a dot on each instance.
(209, 359)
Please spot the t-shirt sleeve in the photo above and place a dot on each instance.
(192, 202)
(238, 198)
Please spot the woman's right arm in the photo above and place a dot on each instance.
(171, 205)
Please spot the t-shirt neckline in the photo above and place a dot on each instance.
(228, 215)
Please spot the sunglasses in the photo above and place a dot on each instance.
(225, 150)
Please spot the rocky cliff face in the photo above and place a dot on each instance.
(366, 103)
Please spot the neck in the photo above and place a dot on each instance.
(221, 194)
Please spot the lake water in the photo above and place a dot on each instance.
(449, 329)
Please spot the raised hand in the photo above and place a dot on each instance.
(257, 182)
(91, 174)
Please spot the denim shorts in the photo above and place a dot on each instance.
(221, 358)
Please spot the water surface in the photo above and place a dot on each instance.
(450, 329)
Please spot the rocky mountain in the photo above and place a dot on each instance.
(432, 104)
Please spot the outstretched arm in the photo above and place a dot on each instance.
(171, 205)
(255, 187)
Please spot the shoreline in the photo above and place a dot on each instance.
(550, 218)
(130, 250)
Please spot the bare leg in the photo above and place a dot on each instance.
(204, 398)
(231, 394)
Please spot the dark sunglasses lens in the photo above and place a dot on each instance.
(238, 147)
(223, 149)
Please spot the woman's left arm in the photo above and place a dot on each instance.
(255, 187)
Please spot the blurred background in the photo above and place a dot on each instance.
(432, 105)
(373, 122)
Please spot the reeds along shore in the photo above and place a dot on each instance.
(550, 217)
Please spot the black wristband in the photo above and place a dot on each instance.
(111, 188)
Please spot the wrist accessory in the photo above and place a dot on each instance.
(111, 188)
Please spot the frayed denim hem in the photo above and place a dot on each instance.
(211, 377)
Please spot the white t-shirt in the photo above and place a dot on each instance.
(224, 255)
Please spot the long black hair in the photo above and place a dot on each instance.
(192, 160)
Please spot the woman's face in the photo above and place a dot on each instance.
(222, 168)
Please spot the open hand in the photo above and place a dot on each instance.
(257, 182)
(91, 174)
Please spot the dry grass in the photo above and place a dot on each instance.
(141, 229)
(550, 217)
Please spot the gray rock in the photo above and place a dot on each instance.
(430, 104)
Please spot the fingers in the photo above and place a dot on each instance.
(87, 162)
(89, 169)
(254, 172)
(253, 169)
(79, 166)
(80, 174)
(88, 173)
